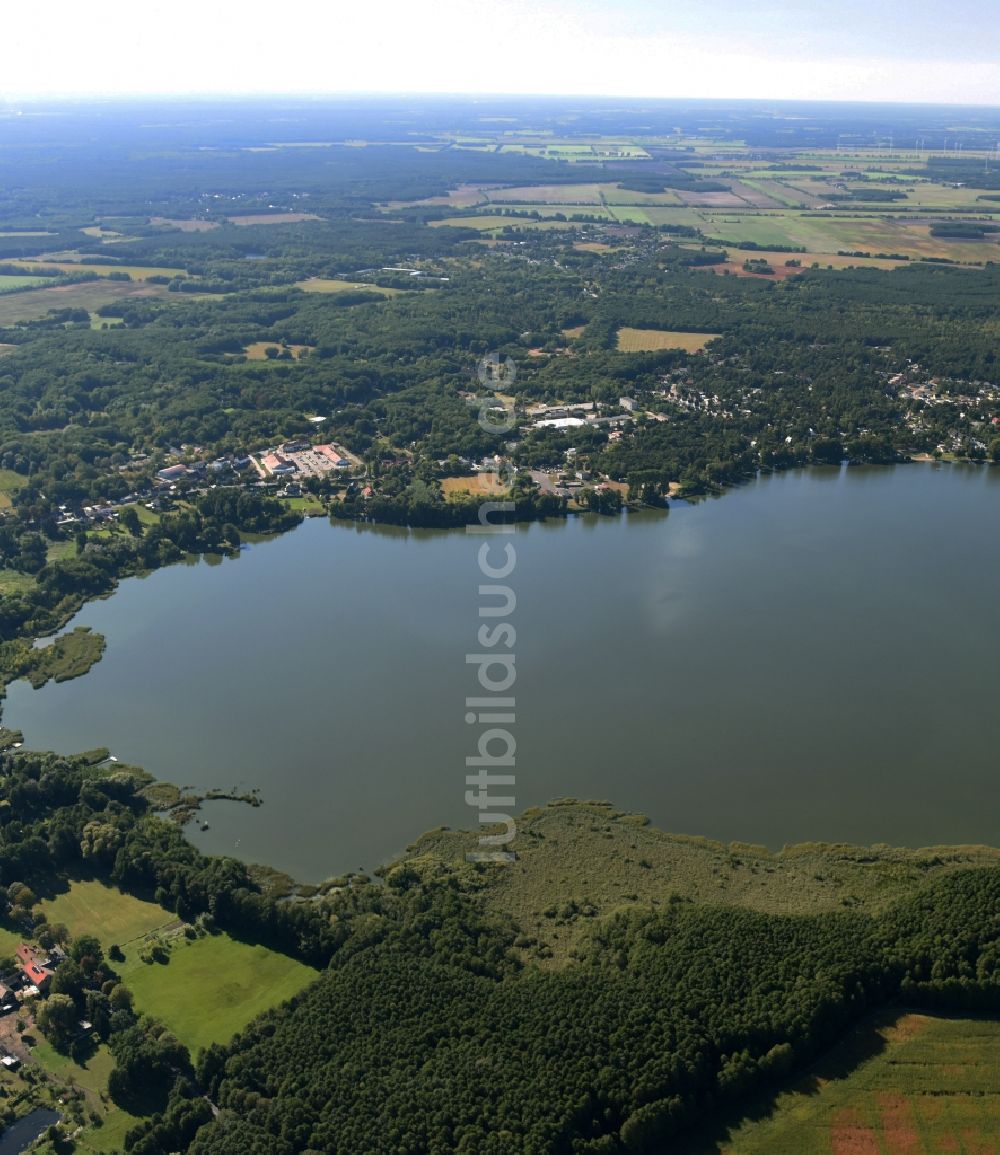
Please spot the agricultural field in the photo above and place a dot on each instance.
(827, 260)
(649, 340)
(900, 1084)
(89, 907)
(830, 234)
(212, 986)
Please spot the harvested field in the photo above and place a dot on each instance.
(272, 218)
(649, 340)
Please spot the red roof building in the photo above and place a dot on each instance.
(34, 971)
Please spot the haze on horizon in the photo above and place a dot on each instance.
(778, 49)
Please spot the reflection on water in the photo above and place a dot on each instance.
(810, 657)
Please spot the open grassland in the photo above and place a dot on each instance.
(272, 218)
(89, 907)
(136, 272)
(649, 340)
(90, 295)
(333, 285)
(11, 580)
(582, 855)
(10, 482)
(257, 351)
(91, 1076)
(10, 281)
(212, 986)
(190, 225)
(899, 1084)
(9, 940)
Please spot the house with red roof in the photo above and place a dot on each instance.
(33, 969)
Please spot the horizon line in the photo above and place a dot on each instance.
(80, 97)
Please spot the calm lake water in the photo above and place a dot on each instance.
(813, 656)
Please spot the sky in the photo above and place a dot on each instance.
(876, 50)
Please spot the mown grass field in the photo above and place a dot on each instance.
(212, 986)
(333, 285)
(308, 505)
(89, 907)
(899, 1084)
(649, 340)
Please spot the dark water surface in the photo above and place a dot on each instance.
(813, 656)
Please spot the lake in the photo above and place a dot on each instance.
(811, 657)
